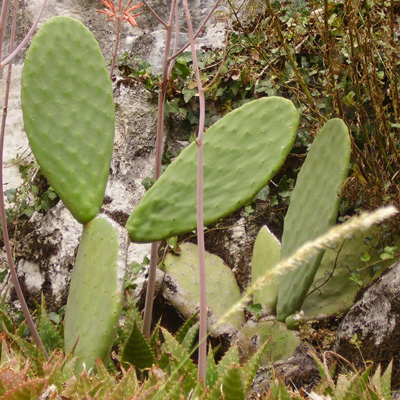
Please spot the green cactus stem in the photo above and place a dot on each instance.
(95, 296)
(242, 152)
(266, 254)
(68, 111)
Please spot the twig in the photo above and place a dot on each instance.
(26, 38)
(218, 73)
(117, 37)
(148, 308)
(293, 63)
(172, 62)
(198, 31)
(6, 238)
(155, 14)
(202, 360)
(3, 22)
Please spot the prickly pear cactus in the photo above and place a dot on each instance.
(68, 111)
(98, 274)
(242, 152)
(313, 209)
(181, 287)
(266, 254)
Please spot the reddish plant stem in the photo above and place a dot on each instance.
(117, 37)
(202, 359)
(176, 37)
(26, 38)
(3, 22)
(148, 308)
(162, 22)
(6, 238)
(198, 31)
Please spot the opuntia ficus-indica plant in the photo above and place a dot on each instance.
(69, 119)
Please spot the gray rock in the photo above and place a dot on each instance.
(374, 323)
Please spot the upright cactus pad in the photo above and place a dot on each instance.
(313, 209)
(98, 274)
(242, 152)
(68, 110)
(181, 287)
(266, 254)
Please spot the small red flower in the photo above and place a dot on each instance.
(121, 14)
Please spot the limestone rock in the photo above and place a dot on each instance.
(374, 323)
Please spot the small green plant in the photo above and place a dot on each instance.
(31, 196)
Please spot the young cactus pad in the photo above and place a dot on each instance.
(95, 295)
(281, 341)
(266, 254)
(68, 111)
(242, 152)
(313, 209)
(181, 287)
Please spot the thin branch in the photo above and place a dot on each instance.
(3, 23)
(202, 360)
(197, 33)
(155, 14)
(117, 38)
(218, 73)
(172, 62)
(163, 92)
(26, 38)
(148, 308)
(330, 274)
(6, 238)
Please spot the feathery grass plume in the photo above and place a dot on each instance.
(309, 249)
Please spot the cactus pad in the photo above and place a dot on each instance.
(68, 111)
(242, 152)
(313, 209)
(181, 287)
(95, 295)
(266, 254)
(281, 341)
